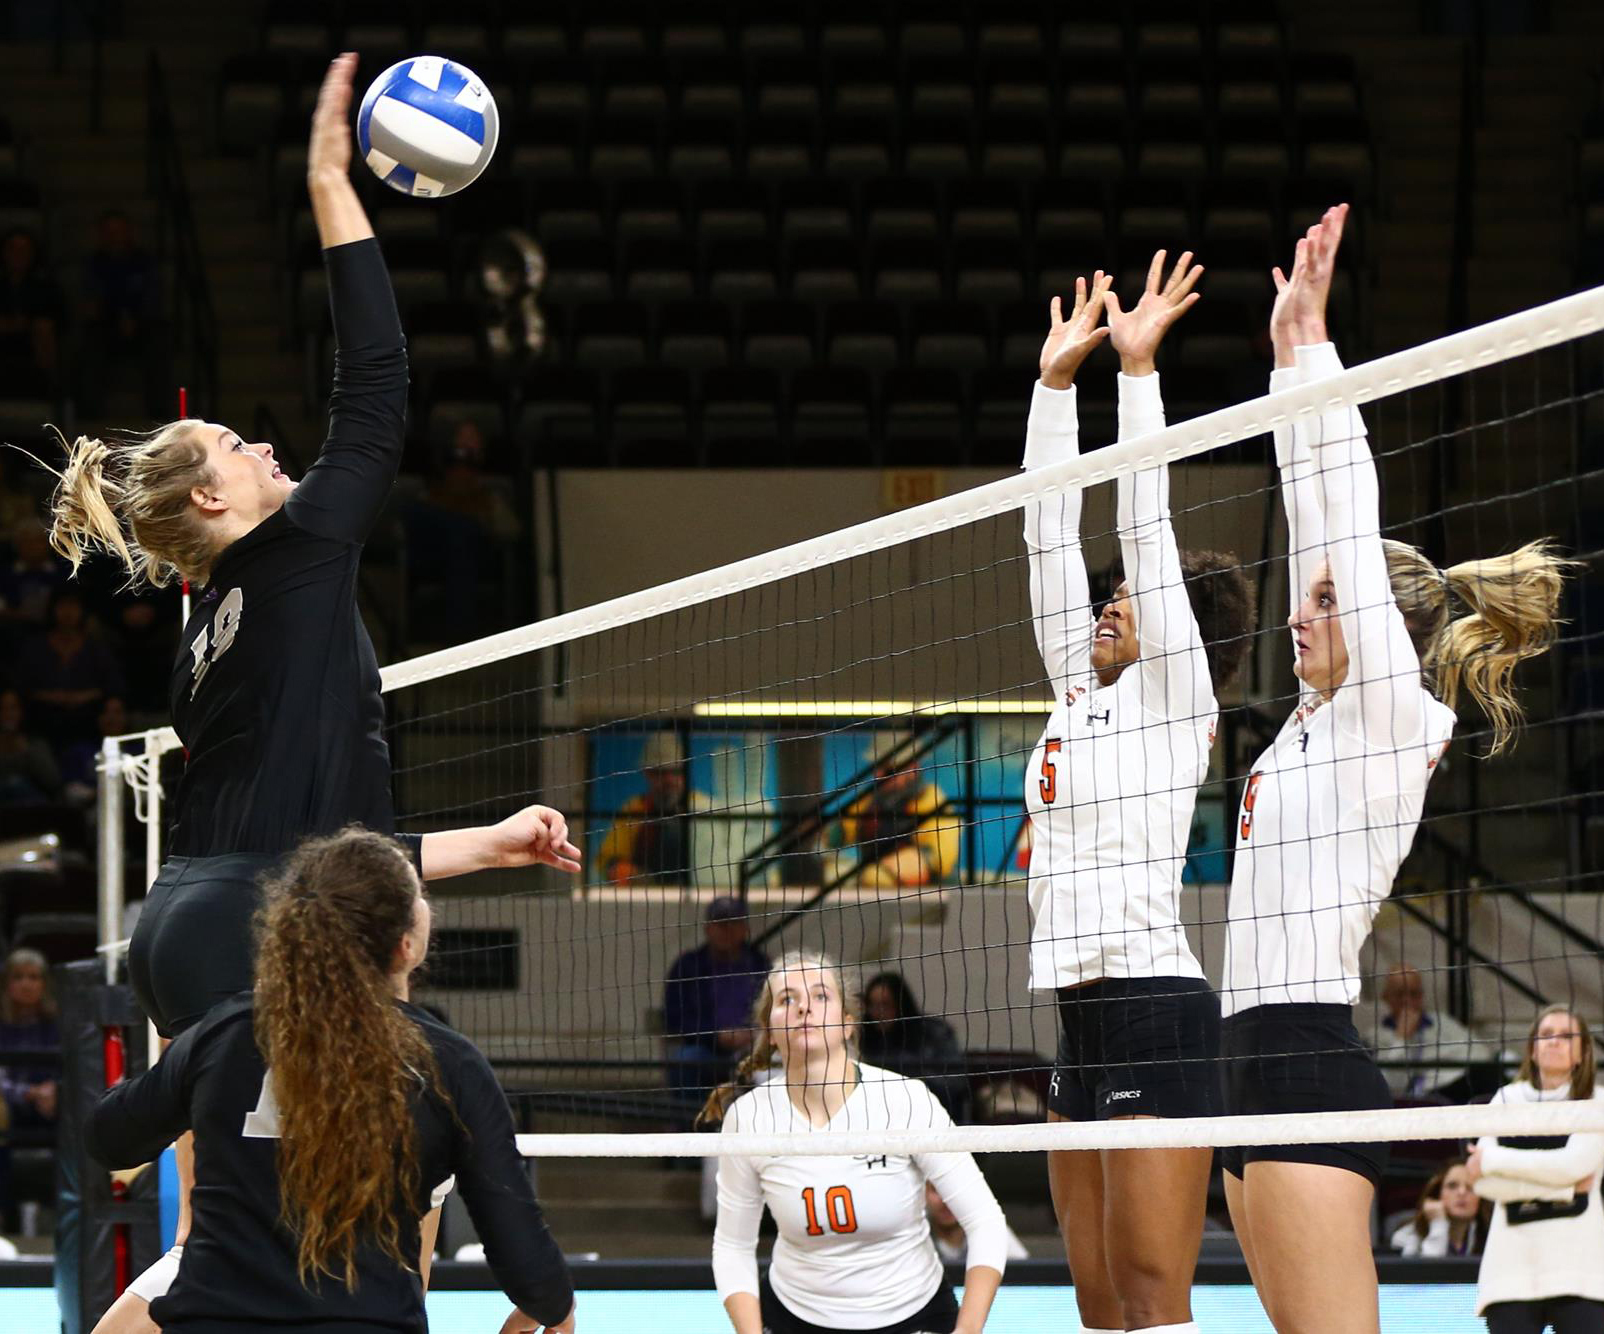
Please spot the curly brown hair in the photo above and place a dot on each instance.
(346, 1063)
(1226, 607)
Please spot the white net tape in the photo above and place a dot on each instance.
(1397, 1123)
(1488, 345)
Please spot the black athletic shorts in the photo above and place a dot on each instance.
(937, 1316)
(1137, 1046)
(192, 944)
(1301, 1058)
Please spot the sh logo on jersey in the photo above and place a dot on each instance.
(215, 640)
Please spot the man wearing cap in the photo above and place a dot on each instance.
(650, 841)
(708, 999)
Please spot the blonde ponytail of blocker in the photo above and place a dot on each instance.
(1514, 615)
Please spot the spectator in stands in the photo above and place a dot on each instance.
(897, 1035)
(122, 316)
(28, 1089)
(34, 575)
(904, 830)
(66, 673)
(1451, 1219)
(650, 841)
(30, 318)
(79, 757)
(708, 999)
(457, 531)
(1437, 1055)
(1544, 1259)
(29, 775)
(952, 1245)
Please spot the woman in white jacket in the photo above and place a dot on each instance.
(1544, 1263)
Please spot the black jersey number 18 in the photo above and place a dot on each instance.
(209, 647)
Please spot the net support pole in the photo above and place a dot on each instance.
(110, 908)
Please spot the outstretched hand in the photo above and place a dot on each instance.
(1070, 342)
(519, 1323)
(1137, 332)
(534, 836)
(328, 152)
(1298, 318)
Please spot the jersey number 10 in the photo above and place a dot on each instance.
(838, 1210)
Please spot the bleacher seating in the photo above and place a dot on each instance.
(861, 208)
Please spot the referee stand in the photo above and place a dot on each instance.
(106, 1232)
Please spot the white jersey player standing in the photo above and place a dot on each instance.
(1111, 788)
(1330, 811)
(854, 1250)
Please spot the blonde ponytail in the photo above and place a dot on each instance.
(131, 500)
(1513, 603)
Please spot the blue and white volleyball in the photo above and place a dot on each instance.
(427, 126)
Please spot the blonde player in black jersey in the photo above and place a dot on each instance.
(1330, 810)
(276, 692)
(1111, 789)
(854, 1251)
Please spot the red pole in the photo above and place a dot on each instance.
(116, 1065)
(183, 411)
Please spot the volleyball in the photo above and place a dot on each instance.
(427, 126)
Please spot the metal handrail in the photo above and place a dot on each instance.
(194, 316)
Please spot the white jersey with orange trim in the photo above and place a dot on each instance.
(1113, 780)
(854, 1248)
(1331, 808)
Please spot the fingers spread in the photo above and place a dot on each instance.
(1178, 272)
(1183, 283)
(1155, 271)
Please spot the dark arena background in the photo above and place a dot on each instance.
(707, 534)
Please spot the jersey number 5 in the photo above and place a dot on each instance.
(838, 1211)
(1249, 798)
(1049, 770)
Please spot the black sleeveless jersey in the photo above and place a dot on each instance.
(275, 693)
(238, 1270)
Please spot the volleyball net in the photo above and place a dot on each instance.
(827, 748)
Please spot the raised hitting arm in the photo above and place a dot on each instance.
(1060, 596)
(343, 492)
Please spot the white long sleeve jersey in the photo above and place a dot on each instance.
(1112, 782)
(1330, 809)
(1558, 1253)
(854, 1249)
